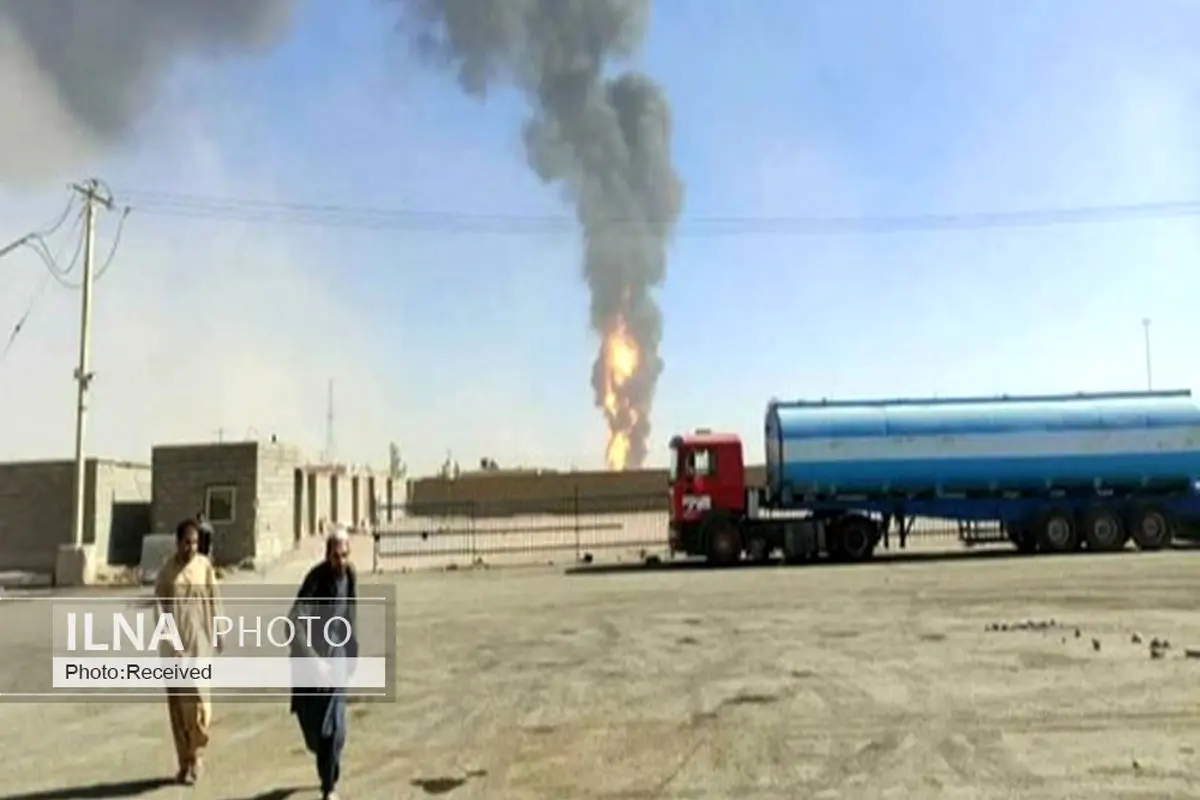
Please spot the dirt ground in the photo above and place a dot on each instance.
(875, 681)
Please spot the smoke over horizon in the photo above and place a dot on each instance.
(84, 72)
(86, 81)
(606, 141)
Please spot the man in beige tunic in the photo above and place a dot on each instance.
(186, 588)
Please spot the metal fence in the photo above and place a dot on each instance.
(538, 530)
(577, 528)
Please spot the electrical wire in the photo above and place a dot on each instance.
(61, 219)
(50, 260)
(38, 245)
(112, 252)
(200, 207)
(36, 242)
(20, 242)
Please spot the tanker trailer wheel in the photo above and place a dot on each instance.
(722, 540)
(1056, 531)
(1151, 527)
(852, 539)
(1104, 531)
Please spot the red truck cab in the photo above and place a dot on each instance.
(707, 476)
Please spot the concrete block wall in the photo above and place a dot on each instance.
(275, 490)
(279, 500)
(37, 505)
(121, 497)
(36, 502)
(318, 500)
(343, 495)
(182, 475)
(339, 498)
(527, 492)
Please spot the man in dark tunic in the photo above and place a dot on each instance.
(328, 591)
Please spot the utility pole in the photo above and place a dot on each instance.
(1146, 336)
(94, 197)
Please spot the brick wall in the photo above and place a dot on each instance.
(37, 505)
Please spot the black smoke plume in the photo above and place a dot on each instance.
(605, 140)
(96, 66)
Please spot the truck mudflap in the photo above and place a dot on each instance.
(803, 540)
(674, 539)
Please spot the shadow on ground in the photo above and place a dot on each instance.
(96, 791)
(111, 791)
(445, 784)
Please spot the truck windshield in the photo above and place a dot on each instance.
(673, 468)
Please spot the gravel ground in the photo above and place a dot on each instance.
(874, 681)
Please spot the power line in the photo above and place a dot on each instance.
(41, 248)
(36, 242)
(51, 261)
(201, 207)
(22, 241)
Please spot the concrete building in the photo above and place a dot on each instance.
(37, 501)
(261, 498)
(336, 494)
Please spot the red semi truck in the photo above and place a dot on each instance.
(1056, 473)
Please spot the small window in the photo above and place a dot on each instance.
(219, 502)
(673, 466)
(701, 463)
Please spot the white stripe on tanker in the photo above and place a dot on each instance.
(1064, 444)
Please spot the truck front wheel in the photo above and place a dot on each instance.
(723, 541)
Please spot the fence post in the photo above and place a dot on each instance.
(473, 545)
(578, 545)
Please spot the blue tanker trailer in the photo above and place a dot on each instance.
(1056, 472)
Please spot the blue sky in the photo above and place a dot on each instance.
(479, 344)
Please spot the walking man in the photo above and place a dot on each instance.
(328, 591)
(186, 588)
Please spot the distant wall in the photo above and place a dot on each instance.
(498, 494)
(184, 473)
(278, 499)
(37, 500)
(122, 496)
(277, 504)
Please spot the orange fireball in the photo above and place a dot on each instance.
(620, 357)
